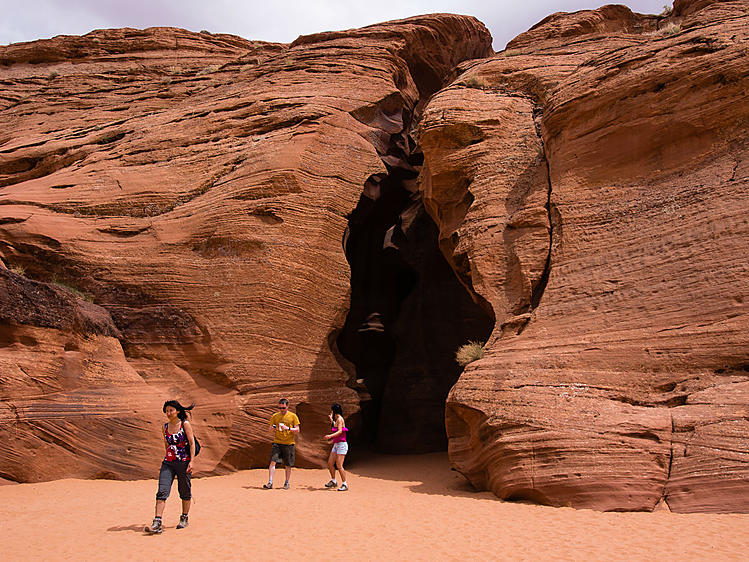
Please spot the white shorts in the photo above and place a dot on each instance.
(340, 448)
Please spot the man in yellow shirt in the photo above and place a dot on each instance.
(284, 425)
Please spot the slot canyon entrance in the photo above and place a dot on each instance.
(408, 313)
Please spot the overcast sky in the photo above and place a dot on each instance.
(273, 20)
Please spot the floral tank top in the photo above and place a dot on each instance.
(176, 444)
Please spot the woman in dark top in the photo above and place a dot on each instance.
(179, 441)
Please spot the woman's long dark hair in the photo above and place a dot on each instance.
(335, 407)
(181, 410)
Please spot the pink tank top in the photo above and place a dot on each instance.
(339, 438)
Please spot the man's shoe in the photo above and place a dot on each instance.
(182, 522)
(268, 486)
(154, 528)
(343, 488)
(331, 484)
(286, 486)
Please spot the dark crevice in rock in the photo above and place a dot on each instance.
(648, 435)
(9, 477)
(733, 172)
(110, 138)
(538, 288)
(13, 220)
(672, 402)
(664, 496)
(32, 167)
(528, 495)
(408, 313)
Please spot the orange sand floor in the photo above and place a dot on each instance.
(410, 507)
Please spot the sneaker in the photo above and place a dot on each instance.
(154, 528)
(343, 488)
(268, 486)
(331, 484)
(286, 486)
(182, 522)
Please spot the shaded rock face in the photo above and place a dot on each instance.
(408, 311)
(197, 188)
(590, 184)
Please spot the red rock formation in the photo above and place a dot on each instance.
(591, 184)
(197, 187)
(588, 186)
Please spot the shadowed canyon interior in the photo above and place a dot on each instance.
(409, 313)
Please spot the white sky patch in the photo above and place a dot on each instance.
(267, 20)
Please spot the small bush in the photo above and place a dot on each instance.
(18, 269)
(476, 82)
(468, 353)
(52, 75)
(670, 29)
(511, 52)
(210, 69)
(77, 293)
(666, 10)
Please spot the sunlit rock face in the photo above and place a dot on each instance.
(591, 187)
(228, 222)
(196, 188)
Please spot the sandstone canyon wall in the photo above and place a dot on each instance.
(196, 188)
(591, 184)
(225, 221)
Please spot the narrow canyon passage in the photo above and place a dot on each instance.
(408, 313)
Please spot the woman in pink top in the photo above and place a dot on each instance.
(340, 447)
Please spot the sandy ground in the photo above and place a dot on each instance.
(398, 507)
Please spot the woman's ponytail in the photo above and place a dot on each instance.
(336, 409)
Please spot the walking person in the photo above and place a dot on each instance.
(284, 425)
(179, 442)
(340, 447)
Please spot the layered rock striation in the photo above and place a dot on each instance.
(196, 188)
(591, 184)
(226, 221)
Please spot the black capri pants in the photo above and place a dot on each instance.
(170, 469)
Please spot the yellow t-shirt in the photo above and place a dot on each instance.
(285, 437)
